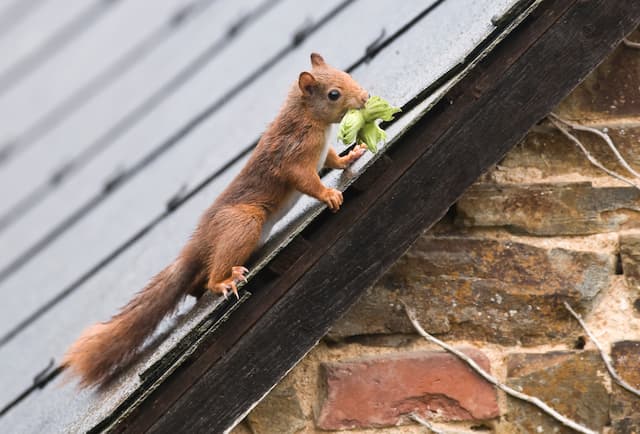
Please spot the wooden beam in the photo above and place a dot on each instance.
(481, 118)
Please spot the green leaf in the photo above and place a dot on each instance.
(378, 108)
(361, 124)
(371, 134)
(351, 123)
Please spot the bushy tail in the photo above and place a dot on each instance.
(106, 347)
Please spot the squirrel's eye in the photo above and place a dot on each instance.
(333, 95)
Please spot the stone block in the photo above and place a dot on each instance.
(625, 407)
(279, 413)
(545, 153)
(572, 383)
(550, 209)
(477, 288)
(630, 256)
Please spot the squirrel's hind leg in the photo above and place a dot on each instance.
(230, 284)
(237, 232)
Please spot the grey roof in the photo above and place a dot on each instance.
(131, 109)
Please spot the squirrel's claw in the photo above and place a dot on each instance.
(238, 271)
(224, 290)
(231, 284)
(333, 198)
(353, 155)
(234, 288)
(238, 274)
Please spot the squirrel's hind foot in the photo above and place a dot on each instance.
(231, 284)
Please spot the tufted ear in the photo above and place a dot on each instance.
(307, 83)
(316, 59)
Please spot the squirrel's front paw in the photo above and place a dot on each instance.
(353, 155)
(333, 199)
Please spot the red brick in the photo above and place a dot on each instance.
(382, 391)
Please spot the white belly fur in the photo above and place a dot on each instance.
(325, 150)
(288, 203)
(293, 198)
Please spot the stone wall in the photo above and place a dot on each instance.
(542, 227)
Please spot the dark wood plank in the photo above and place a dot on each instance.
(536, 82)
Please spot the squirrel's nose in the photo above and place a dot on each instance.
(364, 97)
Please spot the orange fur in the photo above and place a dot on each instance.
(284, 162)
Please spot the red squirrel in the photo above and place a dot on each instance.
(284, 165)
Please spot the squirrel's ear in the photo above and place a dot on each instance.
(316, 59)
(307, 83)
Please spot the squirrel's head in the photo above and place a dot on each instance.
(329, 92)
